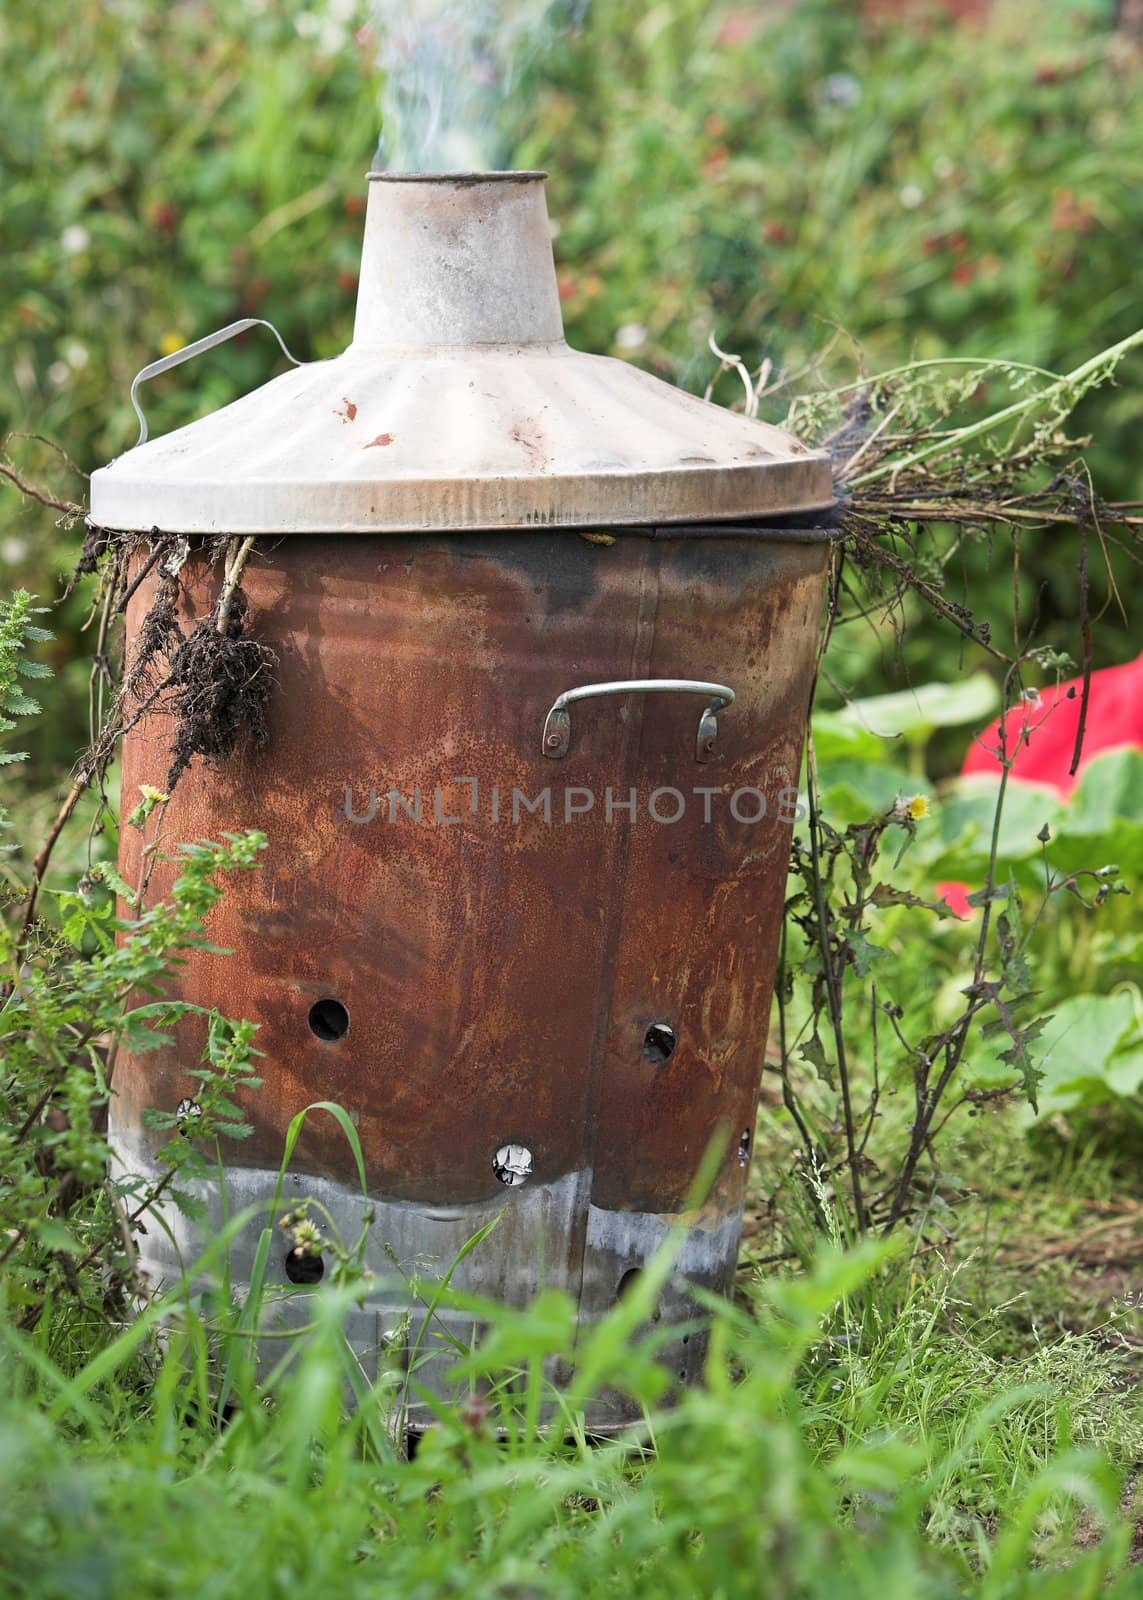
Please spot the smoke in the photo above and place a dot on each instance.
(451, 69)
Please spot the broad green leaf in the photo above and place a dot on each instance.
(837, 738)
(1091, 1050)
(1101, 824)
(853, 791)
(1119, 847)
(912, 714)
(963, 839)
(1110, 788)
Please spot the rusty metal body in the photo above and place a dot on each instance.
(501, 969)
(551, 978)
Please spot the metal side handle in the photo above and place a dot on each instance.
(557, 724)
(189, 351)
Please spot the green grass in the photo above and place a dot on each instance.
(864, 1429)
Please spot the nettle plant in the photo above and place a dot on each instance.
(69, 998)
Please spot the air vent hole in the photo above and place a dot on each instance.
(512, 1164)
(304, 1269)
(329, 1020)
(659, 1042)
(627, 1284)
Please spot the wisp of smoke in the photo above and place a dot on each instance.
(450, 68)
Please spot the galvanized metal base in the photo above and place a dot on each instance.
(410, 1241)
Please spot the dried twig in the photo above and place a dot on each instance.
(70, 508)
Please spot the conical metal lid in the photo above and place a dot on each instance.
(458, 405)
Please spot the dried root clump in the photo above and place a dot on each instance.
(158, 636)
(96, 543)
(220, 685)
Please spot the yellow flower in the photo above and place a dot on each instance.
(149, 792)
(918, 807)
(170, 342)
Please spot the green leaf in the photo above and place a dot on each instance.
(20, 704)
(962, 840)
(106, 872)
(862, 953)
(813, 1051)
(52, 1234)
(1091, 1050)
(912, 714)
(837, 738)
(1110, 789)
(886, 894)
(1102, 823)
(854, 791)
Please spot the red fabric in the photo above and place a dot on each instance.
(1114, 719)
(955, 896)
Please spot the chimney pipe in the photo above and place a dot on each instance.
(457, 259)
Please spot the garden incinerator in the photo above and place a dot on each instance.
(545, 631)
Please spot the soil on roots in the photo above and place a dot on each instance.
(220, 690)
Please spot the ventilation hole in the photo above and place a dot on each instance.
(659, 1042)
(329, 1020)
(304, 1269)
(187, 1112)
(512, 1164)
(744, 1148)
(628, 1282)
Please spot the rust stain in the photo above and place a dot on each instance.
(531, 446)
(382, 439)
(441, 938)
(350, 411)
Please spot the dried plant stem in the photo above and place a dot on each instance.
(833, 990)
(232, 577)
(68, 507)
(979, 993)
(148, 566)
(985, 512)
(1060, 389)
(97, 758)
